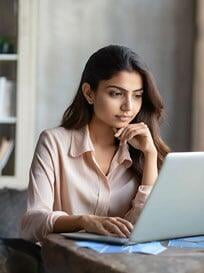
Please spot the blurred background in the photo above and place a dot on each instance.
(162, 32)
(51, 41)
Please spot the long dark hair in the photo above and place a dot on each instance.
(103, 65)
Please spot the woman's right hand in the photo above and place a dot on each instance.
(112, 226)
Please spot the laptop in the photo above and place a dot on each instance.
(175, 206)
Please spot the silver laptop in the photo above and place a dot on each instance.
(175, 207)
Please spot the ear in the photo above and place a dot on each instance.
(88, 93)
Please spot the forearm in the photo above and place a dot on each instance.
(69, 223)
(94, 224)
(150, 171)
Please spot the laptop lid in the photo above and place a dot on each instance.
(175, 207)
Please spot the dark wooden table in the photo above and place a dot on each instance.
(61, 255)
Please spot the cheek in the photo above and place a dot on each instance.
(105, 105)
(138, 106)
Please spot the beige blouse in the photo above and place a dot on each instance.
(65, 179)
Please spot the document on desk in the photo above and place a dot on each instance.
(189, 242)
(146, 248)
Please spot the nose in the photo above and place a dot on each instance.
(127, 104)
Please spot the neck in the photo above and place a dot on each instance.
(100, 133)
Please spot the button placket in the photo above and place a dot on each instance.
(103, 198)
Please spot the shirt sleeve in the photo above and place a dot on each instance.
(138, 203)
(39, 218)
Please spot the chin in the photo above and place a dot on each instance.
(121, 124)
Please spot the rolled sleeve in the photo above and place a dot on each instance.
(142, 195)
(36, 224)
(39, 218)
(138, 203)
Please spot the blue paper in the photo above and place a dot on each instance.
(188, 242)
(194, 239)
(147, 248)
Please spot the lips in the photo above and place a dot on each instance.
(124, 118)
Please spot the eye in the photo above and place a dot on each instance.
(138, 96)
(115, 93)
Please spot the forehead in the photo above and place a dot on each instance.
(125, 79)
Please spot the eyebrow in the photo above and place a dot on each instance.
(123, 89)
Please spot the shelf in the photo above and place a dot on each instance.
(10, 182)
(8, 57)
(21, 28)
(8, 120)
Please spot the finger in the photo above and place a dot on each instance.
(98, 228)
(121, 226)
(122, 133)
(118, 133)
(139, 132)
(125, 222)
(104, 231)
(142, 132)
(115, 130)
(130, 129)
(135, 128)
(113, 228)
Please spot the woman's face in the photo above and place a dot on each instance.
(118, 100)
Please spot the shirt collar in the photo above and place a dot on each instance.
(81, 143)
(124, 155)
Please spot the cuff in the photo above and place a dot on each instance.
(142, 195)
(52, 217)
(36, 224)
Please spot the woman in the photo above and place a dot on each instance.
(95, 171)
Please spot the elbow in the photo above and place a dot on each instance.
(34, 226)
(37, 224)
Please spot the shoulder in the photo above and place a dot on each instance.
(55, 136)
(56, 132)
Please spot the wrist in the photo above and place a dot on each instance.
(151, 153)
(150, 184)
(84, 220)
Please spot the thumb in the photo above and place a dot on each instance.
(115, 130)
(119, 132)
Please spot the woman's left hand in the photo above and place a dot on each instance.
(138, 135)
